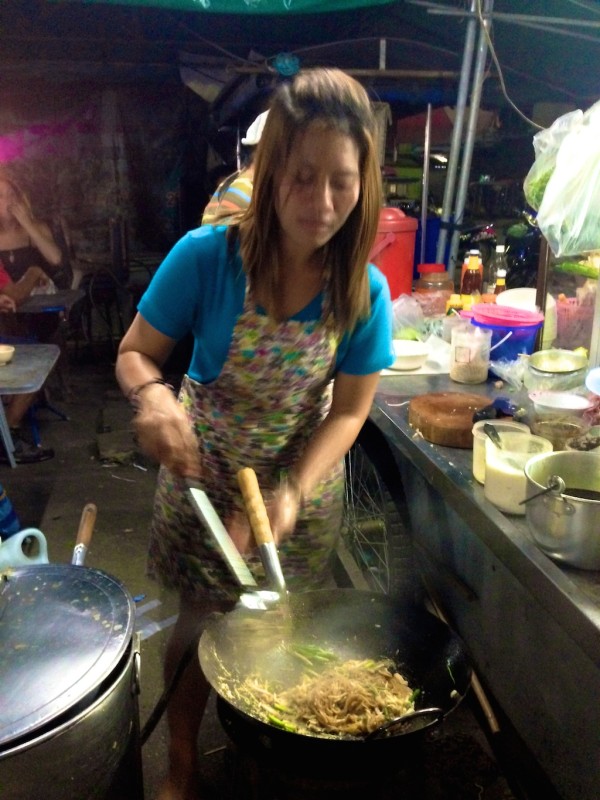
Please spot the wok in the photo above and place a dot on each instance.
(351, 623)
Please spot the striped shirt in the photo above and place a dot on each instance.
(230, 200)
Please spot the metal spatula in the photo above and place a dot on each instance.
(261, 528)
(252, 597)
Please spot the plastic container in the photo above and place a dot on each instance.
(505, 481)
(434, 278)
(437, 285)
(521, 340)
(469, 353)
(479, 437)
(394, 249)
(12, 553)
(517, 327)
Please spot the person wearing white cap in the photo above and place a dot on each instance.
(232, 196)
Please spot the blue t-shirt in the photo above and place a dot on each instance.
(198, 288)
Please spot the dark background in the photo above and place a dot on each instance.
(98, 119)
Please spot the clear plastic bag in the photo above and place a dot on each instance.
(568, 214)
(546, 144)
(408, 318)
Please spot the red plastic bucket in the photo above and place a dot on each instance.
(394, 249)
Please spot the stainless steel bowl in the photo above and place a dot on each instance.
(557, 361)
(555, 369)
(566, 525)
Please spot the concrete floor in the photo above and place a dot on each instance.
(51, 496)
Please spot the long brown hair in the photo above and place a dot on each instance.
(336, 101)
(6, 175)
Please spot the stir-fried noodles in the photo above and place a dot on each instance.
(345, 699)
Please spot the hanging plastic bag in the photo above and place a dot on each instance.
(568, 214)
(546, 144)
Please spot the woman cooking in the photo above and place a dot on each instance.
(291, 328)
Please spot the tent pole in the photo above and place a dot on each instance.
(463, 183)
(454, 156)
(425, 184)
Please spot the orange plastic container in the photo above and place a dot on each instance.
(394, 249)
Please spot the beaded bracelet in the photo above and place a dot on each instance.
(133, 395)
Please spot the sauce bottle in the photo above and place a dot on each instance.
(471, 282)
(498, 269)
(500, 281)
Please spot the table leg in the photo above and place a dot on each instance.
(6, 437)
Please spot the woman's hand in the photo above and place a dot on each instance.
(283, 507)
(164, 432)
(238, 527)
(7, 304)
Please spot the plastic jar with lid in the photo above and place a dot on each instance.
(433, 278)
(435, 282)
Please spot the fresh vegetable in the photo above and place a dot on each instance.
(577, 268)
(534, 193)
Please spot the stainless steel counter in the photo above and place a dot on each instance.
(532, 626)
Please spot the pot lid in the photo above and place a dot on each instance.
(63, 630)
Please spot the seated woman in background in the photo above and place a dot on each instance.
(25, 243)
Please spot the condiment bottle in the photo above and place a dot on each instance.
(471, 282)
(498, 268)
(465, 265)
(500, 281)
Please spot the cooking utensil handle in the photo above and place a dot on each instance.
(255, 506)
(84, 533)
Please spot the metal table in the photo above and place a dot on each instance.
(62, 300)
(532, 626)
(25, 374)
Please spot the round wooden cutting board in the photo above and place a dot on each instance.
(446, 418)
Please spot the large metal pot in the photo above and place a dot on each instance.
(565, 522)
(352, 624)
(69, 669)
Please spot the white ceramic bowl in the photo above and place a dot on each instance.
(548, 403)
(7, 351)
(592, 381)
(410, 354)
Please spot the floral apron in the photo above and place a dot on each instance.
(272, 393)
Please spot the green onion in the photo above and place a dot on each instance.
(281, 723)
